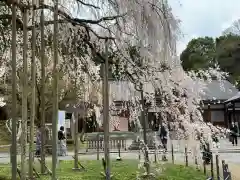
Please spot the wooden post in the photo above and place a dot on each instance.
(119, 146)
(33, 102)
(223, 164)
(196, 161)
(24, 97)
(98, 143)
(217, 167)
(55, 92)
(186, 155)
(42, 93)
(209, 113)
(144, 124)
(14, 96)
(172, 154)
(204, 168)
(106, 114)
(155, 153)
(225, 115)
(76, 141)
(119, 151)
(139, 154)
(234, 112)
(212, 169)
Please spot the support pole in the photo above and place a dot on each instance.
(75, 114)
(14, 96)
(24, 97)
(147, 165)
(33, 103)
(55, 92)
(76, 141)
(43, 132)
(106, 114)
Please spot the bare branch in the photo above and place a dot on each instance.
(107, 18)
(87, 4)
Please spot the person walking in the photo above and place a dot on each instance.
(234, 133)
(163, 136)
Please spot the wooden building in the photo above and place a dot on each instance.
(233, 109)
(121, 93)
(215, 108)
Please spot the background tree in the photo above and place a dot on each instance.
(228, 56)
(204, 53)
(199, 54)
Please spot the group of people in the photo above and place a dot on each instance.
(62, 145)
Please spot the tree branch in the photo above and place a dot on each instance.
(87, 4)
(66, 17)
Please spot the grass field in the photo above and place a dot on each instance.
(124, 170)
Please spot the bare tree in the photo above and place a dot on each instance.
(234, 29)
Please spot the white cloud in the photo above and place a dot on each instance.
(204, 17)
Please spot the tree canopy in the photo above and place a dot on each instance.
(140, 40)
(205, 52)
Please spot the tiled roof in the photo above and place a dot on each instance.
(125, 90)
(219, 90)
(215, 90)
(234, 98)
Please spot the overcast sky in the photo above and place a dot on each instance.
(204, 17)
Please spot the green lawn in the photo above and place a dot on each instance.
(125, 170)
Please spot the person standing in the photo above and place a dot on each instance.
(163, 136)
(38, 141)
(62, 145)
(234, 133)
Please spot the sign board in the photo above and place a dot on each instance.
(67, 123)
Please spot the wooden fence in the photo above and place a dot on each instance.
(213, 170)
(97, 143)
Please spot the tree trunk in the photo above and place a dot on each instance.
(76, 140)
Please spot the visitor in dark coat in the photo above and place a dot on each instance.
(234, 133)
(163, 136)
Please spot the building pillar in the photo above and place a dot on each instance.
(226, 123)
(234, 113)
(209, 113)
